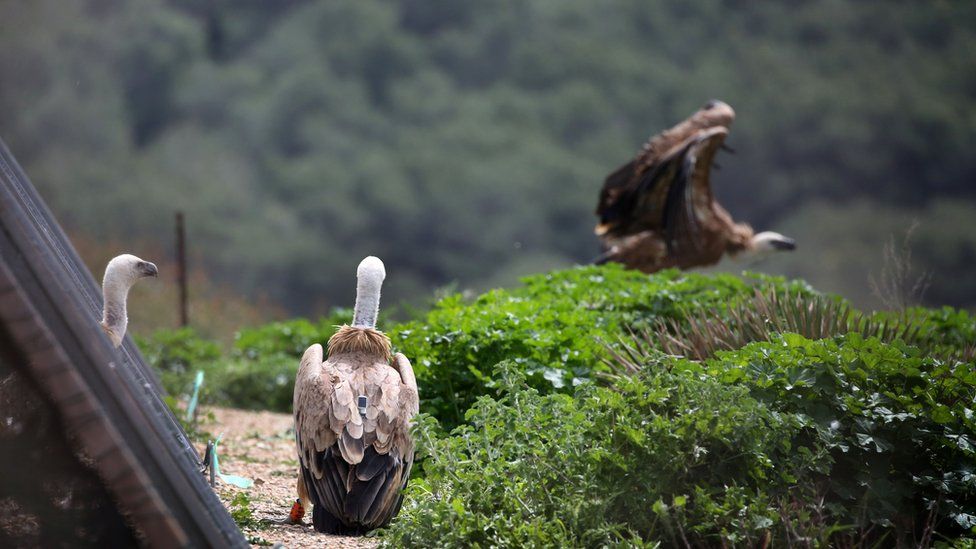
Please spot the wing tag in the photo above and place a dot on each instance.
(362, 402)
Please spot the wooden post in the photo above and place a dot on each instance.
(181, 268)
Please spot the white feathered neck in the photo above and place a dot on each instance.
(369, 281)
(120, 274)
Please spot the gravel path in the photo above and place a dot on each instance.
(261, 447)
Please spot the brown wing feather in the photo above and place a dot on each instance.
(355, 483)
(613, 186)
(688, 206)
(313, 393)
(634, 197)
(409, 391)
(640, 204)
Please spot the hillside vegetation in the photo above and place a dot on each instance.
(467, 141)
(548, 420)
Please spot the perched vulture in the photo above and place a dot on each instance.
(121, 273)
(657, 211)
(352, 420)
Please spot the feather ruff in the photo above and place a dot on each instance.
(360, 340)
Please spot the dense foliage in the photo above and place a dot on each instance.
(900, 427)
(840, 441)
(554, 327)
(600, 467)
(467, 141)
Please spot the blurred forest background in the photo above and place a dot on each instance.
(465, 142)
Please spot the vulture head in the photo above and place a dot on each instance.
(715, 113)
(120, 274)
(765, 243)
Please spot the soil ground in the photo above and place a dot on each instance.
(261, 446)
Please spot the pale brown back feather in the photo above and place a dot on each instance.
(328, 423)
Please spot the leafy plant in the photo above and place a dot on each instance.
(259, 373)
(946, 331)
(551, 327)
(664, 457)
(265, 384)
(177, 351)
(289, 338)
(898, 426)
(847, 441)
(240, 511)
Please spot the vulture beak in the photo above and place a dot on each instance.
(148, 269)
(786, 244)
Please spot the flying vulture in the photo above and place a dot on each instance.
(120, 274)
(352, 420)
(657, 211)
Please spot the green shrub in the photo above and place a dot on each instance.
(178, 350)
(945, 331)
(663, 457)
(264, 384)
(259, 373)
(290, 337)
(846, 441)
(553, 327)
(900, 427)
(177, 355)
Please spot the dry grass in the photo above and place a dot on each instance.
(702, 333)
(898, 286)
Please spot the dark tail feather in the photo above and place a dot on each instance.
(325, 522)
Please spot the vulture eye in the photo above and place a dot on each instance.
(711, 104)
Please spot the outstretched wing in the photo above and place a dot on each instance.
(634, 197)
(688, 205)
(672, 197)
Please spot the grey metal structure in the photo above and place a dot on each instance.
(107, 401)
